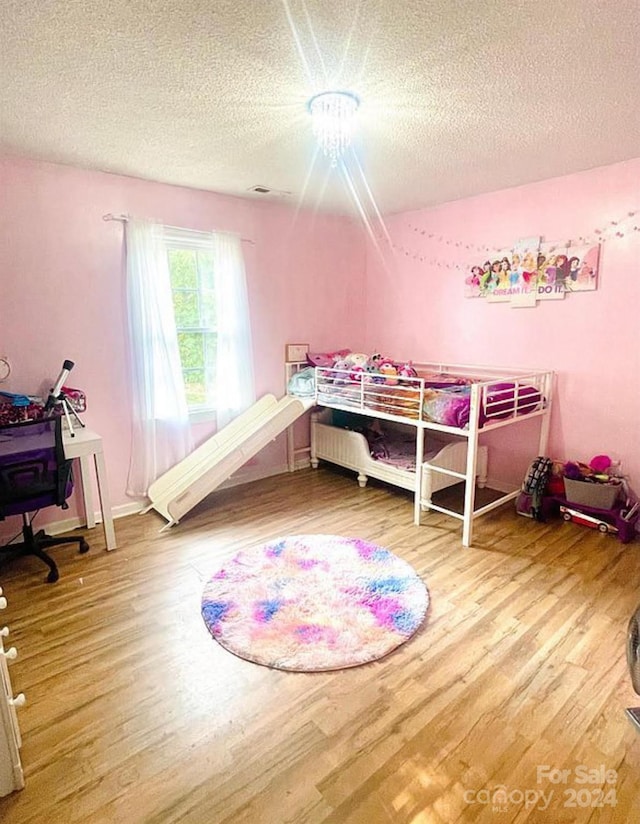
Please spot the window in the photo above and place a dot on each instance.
(189, 327)
(194, 304)
(212, 326)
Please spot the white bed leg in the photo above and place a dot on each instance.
(482, 466)
(544, 433)
(313, 452)
(291, 455)
(417, 496)
(472, 461)
(362, 480)
(469, 498)
(427, 477)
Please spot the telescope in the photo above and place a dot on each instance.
(58, 398)
(56, 391)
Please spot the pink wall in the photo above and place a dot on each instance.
(417, 309)
(62, 285)
(62, 280)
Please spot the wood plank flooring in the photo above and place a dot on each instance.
(135, 714)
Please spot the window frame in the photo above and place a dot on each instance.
(192, 241)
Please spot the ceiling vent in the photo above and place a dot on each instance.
(265, 190)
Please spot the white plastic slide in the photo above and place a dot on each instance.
(188, 482)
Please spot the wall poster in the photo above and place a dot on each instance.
(533, 271)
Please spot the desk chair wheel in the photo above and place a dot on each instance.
(53, 576)
(84, 547)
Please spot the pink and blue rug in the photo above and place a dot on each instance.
(314, 602)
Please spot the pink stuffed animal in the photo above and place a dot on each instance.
(407, 370)
(357, 362)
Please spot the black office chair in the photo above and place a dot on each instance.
(34, 473)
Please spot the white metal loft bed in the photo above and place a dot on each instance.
(493, 398)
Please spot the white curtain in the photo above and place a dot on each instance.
(235, 390)
(161, 431)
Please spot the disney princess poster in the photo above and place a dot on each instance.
(583, 262)
(553, 270)
(497, 284)
(473, 281)
(534, 271)
(524, 272)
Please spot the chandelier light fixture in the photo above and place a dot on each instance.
(333, 117)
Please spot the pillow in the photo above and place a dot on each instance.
(303, 383)
(326, 358)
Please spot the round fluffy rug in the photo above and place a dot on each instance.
(314, 602)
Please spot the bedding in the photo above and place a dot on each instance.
(391, 400)
(392, 446)
(451, 407)
(395, 396)
(447, 406)
(447, 398)
(396, 448)
(348, 439)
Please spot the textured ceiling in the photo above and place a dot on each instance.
(458, 96)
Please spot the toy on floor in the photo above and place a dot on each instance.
(595, 495)
(619, 521)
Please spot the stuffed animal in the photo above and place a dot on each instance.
(600, 463)
(406, 370)
(326, 358)
(357, 373)
(357, 363)
(375, 362)
(357, 359)
(390, 373)
(341, 375)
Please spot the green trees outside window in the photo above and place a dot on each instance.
(194, 304)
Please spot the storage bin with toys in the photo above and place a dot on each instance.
(598, 484)
(594, 494)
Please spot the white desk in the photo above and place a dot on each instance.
(83, 445)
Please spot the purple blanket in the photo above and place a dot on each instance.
(450, 407)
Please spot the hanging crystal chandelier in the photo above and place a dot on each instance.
(332, 116)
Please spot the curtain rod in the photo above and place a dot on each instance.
(125, 219)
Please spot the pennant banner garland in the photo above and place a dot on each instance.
(613, 229)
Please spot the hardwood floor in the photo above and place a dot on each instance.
(135, 714)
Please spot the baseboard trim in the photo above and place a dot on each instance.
(500, 486)
(135, 507)
(67, 524)
(254, 474)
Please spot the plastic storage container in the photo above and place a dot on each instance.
(599, 496)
